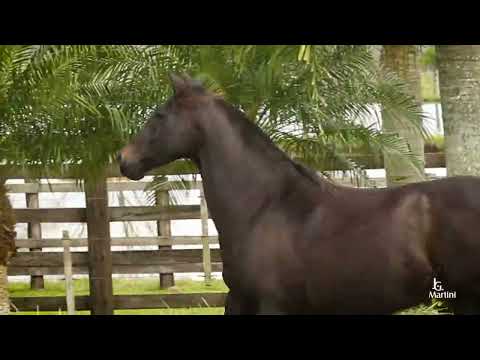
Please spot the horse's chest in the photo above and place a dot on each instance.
(271, 263)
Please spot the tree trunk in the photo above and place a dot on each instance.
(4, 302)
(7, 246)
(99, 247)
(459, 75)
(403, 61)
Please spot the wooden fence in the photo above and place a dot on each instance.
(163, 261)
(100, 262)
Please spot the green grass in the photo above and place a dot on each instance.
(191, 311)
(439, 141)
(151, 286)
(124, 287)
(436, 308)
(120, 287)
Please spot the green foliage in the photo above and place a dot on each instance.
(429, 91)
(308, 98)
(435, 143)
(69, 104)
(75, 104)
(428, 58)
(434, 308)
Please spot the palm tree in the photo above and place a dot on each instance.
(58, 106)
(403, 61)
(78, 104)
(4, 298)
(7, 246)
(459, 76)
(307, 98)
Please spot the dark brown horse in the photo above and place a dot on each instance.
(293, 243)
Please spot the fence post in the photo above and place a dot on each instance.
(67, 264)
(34, 230)
(207, 263)
(99, 249)
(164, 229)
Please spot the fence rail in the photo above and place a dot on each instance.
(120, 241)
(130, 213)
(111, 186)
(121, 260)
(124, 302)
(432, 160)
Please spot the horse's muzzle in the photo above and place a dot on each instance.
(133, 171)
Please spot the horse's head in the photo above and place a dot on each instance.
(170, 134)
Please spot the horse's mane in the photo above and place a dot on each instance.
(306, 171)
(252, 131)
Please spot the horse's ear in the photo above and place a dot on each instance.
(186, 77)
(197, 84)
(178, 83)
(193, 84)
(183, 84)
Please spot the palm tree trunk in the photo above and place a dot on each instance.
(403, 61)
(4, 299)
(459, 73)
(7, 245)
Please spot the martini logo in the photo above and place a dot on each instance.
(438, 292)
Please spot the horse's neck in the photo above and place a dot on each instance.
(241, 172)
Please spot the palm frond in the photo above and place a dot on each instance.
(78, 104)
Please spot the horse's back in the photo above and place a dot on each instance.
(366, 251)
(398, 238)
(370, 255)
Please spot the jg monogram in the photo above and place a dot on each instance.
(439, 293)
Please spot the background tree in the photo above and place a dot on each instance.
(309, 99)
(78, 104)
(403, 61)
(459, 75)
(7, 246)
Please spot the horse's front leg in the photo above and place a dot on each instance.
(269, 307)
(238, 305)
(231, 305)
